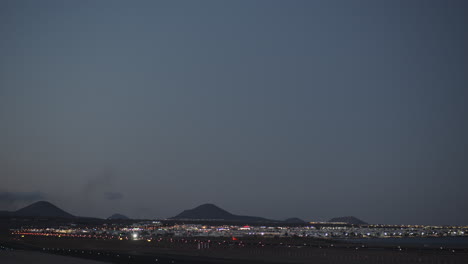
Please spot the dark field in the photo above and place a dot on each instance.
(221, 250)
(177, 252)
(26, 257)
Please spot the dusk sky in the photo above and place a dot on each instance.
(278, 109)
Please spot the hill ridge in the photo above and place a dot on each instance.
(118, 217)
(209, 211)
(348, 219)
(42, 209)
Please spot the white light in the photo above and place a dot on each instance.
(135, 235)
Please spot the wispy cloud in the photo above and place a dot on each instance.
(113, 195)
(102, 180)
(12, 197)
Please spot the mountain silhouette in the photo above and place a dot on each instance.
(348, 219)
(42, 209)
(5, 213)
(213, 212)
(118, 217)
(294, 220)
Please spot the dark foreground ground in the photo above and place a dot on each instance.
(27, 257)
(144, 252)
(38, 249)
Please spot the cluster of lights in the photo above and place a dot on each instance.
(140, 231)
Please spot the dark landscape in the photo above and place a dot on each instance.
(186, 249)
(234, 131)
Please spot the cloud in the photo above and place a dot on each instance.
(113, 195)
(102, 180)
(12, 197)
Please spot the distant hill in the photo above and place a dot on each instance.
(4, 213)
(118, 217)
(42, 209)
(213, 212)
(294, 220)
(348, 219)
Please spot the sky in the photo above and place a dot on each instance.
(310, 109)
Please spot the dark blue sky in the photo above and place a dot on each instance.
(314, 109)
